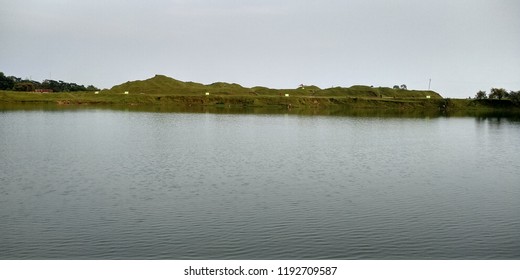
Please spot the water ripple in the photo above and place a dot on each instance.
(188, 186)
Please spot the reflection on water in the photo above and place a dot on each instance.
(320, 111)
(330, 111)
(145, 184)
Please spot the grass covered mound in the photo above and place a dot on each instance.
(163, 85)
(165, 91)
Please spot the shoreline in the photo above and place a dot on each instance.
(290, 103)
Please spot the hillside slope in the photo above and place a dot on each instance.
(163, 85)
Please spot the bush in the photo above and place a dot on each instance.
(514, 96)
(481, 95)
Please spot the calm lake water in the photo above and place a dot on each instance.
(105, 184)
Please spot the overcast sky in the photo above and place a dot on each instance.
(462, 45)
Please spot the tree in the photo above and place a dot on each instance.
(514, 96)
(498, 93)
(20, 84)
(91, 88)
(24, 86)
(481, 94)
(403, 86)
(396, 87)
(52, 85)
(6, 82)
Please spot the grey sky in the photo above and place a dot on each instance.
(463, 46)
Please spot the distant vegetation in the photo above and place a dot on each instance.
(19, 84)
(403, 86)
(499, 94)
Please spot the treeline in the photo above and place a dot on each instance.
(499, 93)
(19, 84)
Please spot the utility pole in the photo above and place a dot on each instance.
(429, 83)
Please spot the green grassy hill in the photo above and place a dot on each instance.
(157, 85)
(163, 85)
(165, 91)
